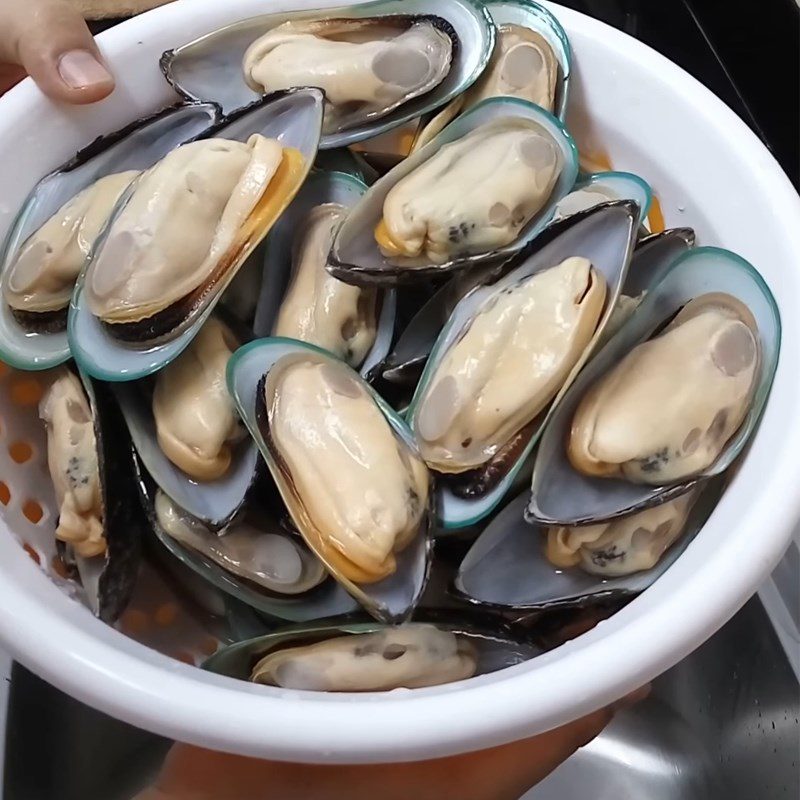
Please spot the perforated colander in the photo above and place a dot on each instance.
(160, 614)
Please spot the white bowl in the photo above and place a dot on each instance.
(710, 172)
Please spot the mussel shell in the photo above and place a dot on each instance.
(211, 67)
(653, 256)
(497, 646)
(321, 187)
(327, 599)
(525, 14)
(405, 362)
(214, 502)
(39, 341)
(109, 580)
(606, 186)
(562, 496)
(507, 567)
(390, 600)
(605, 235)
(355, 257)
(292, 117)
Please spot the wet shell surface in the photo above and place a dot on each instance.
(367, 67)
(252, 562)
(602, 187)
(621, 546)
(322, 431)
(381, 64)
(514, 564)
(130, 315)
(723, 375)
(54, 231)
(477, 193)
(270, 561)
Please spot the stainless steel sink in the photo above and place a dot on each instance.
(722, 725)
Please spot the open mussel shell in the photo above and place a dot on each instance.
(405, 362)
(215, 502)
(391, 599)
(108, 581)
(490, 641)
(601, 187)
(322, 187)
(135, 147)
(294, 119)
(521, 14)
(355, 256)
(528, 14)
(653, 257)
(507, 567)
(212, 67)
(560, 495)
(298, 589)
(605, 236)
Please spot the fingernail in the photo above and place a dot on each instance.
(79, 69)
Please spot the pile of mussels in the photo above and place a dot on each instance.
(434, 344)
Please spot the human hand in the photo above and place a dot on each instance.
(48, 40)
(501, 773)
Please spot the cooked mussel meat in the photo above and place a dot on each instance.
(42, 275)
(182, 231)
(624, 545)
(318, 308)
(473, 196)
(360, 492)
(409, 656)
(196, 422)
(507, 364)
(72, 458)
(666, 411)
(523, 65)
(366, 67)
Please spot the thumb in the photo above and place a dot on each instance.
(50, 40)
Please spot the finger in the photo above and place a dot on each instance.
(52, 43)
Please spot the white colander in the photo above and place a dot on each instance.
(709, 171)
